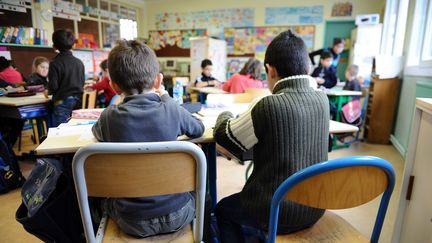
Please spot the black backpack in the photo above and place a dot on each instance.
(10, 173)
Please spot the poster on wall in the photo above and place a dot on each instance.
(294, 15)
(254, 40)
(213, 20)
(180, 38)
(342, 9)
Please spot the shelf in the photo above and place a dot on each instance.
(21, 45)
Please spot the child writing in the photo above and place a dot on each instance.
(288, 132)
(206, 79)
(40, 72)
(104, 83)
(248, 77)
(325, 74)
(66, 77)
(352, 82)
(146, 114)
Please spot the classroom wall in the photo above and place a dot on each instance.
(159, 6)
(411, 87)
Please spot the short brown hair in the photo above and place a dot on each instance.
(353, 70)
(38, 61)
(133, 66)
(253, 68)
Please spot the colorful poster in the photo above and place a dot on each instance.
(213, 20)
(294, 15)
(250, 40)
(160, 39)
(342, 9)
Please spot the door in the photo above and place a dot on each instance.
(417, 222)
(339, 29)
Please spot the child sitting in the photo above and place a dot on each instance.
(104, 84)
(325, 73)
(146, 114)
(40, 72)
(352, 82)
(248, 77)
(9, 75)
(206, 79)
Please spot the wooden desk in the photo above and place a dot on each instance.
(208, 90)
(39, 98)
(71, 142)
(340, 97)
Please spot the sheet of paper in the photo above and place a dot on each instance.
(67, 130)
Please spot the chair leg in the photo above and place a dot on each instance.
(102, 227)
(248, 169)
(35, 131)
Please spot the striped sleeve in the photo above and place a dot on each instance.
(236, 134)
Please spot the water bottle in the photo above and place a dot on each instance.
(178, 92)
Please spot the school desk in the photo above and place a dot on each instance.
(68, 139)
(28, 107)
(340, 97)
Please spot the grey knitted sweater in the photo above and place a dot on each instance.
(288, 131)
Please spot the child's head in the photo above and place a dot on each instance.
(63, 40)
(207, 67)
(351, 72)
(104, 67)
(41, 66)
(326, 59)
(286, 56)
(252, 68)
(338, 45)
(133, 68)
(4, 63)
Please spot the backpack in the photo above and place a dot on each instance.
(351, 113)
(10, 173)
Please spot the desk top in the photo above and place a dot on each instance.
(424, 103)
(208, 90)
(39, 98)
(337, 92)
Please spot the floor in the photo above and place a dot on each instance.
(231, 180)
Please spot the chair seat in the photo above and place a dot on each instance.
(113, 233)
(330, 228)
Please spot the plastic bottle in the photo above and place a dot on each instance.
(178, 92)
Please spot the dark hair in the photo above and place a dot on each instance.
(337, 41)
(133, 66)
(288, 54)
(325, 55)
(253, 68)
(104, 65)
(4, 63)
(206, 62)
(63, 40)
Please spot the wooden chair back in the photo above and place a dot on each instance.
(258, 92)
(229, 98)
(89, 99)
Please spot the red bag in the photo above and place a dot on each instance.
(351, 113)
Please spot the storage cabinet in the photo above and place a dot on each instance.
(381, 109)
(414, 218)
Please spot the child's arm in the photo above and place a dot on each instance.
(236, 134)
(189, 125)
(97, 128)
(330, 79)
(313, 54)
(53, 76)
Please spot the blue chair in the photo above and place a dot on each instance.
(115, 100)
(335, 184)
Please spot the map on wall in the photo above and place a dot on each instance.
(212, 20)
(254, 40)
(294, 15)
(180, 38)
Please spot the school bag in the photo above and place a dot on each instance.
(10, 173)
(351, 113)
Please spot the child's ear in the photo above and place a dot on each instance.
(115, 87)
(158, 81)
(271, 72)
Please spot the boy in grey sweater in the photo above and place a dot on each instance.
(288, 132)
(145, 115)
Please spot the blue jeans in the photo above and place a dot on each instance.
(63, 109)
(169, 223)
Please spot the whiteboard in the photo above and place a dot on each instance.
(87, 58)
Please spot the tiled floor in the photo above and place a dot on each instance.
(231, 180)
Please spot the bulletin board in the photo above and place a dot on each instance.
(87, 59)
(169, 43)
(252, 41)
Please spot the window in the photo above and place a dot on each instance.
(128, 29)
(427, 42)
(394, 27)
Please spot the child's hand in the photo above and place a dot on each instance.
(161, 91)
(217, 83)
(45, 93)
(319, 80)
